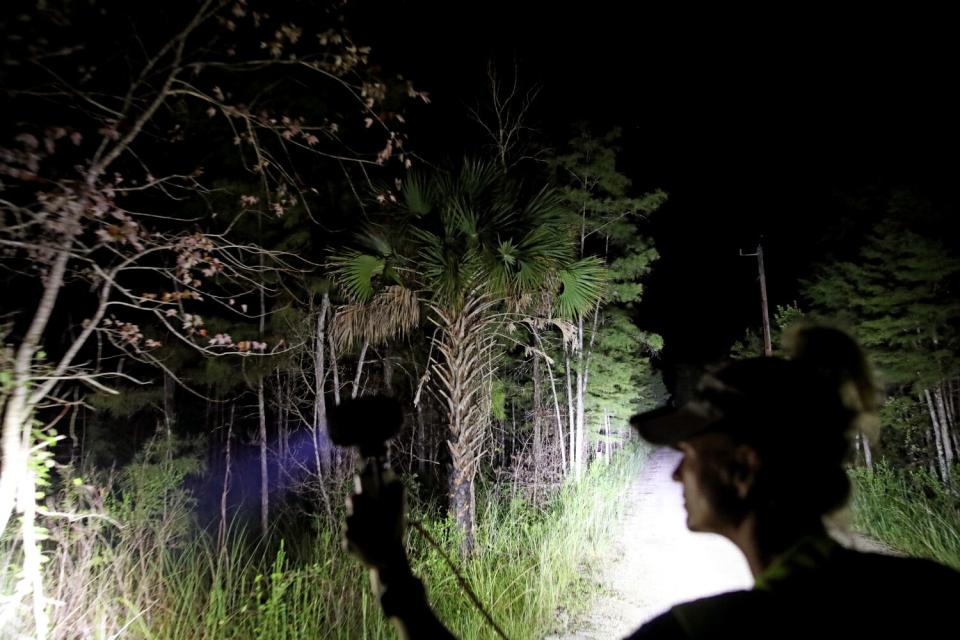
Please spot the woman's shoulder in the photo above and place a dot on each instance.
(724, 615)
(908, 573)
(905, 592)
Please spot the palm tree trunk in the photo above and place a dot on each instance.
(462, 373)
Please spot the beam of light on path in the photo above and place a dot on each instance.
(658, 562)
(669, 563)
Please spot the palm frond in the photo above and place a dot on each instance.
(582, 286)
(417, 195)
(476, 177)
(354, 273)
(390, 314)
(546, 207)
(377, 240)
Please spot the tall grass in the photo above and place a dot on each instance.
(149, 578)
(532, 563)
(911, 511)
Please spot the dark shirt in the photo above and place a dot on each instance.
(820, 589)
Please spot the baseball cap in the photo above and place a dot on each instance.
(760, 400)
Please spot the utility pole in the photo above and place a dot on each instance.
(767, 346)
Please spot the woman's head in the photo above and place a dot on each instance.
(770, 435)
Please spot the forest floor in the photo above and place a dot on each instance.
(656, 562)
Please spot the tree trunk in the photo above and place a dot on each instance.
(556, 407)
(360, 361)
(17, 478)
(417, 438)
(461, 372)
(937, 435)
(283, 440)
(571, 421)
(72, 431)
(950, 394)
(945, 426)
(387, 361)
(222, 533)
(423, 443)
(537, 411)
(579, 404)
(556, 403)
(334, 369)
(17, 412)
(264, 469)
(321, 438)
(169, 403)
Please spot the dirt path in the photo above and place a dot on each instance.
(659, 562)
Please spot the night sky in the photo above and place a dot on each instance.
(754, 124)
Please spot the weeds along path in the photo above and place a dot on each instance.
(657, 562)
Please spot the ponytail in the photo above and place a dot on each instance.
(837, 358)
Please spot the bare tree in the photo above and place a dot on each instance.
(97, 207)
(504, 118)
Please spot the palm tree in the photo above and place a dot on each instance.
(475, 248)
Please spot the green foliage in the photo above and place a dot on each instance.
(473, 230)
(622, 379)
(127, 402)
(220, 375)
(751, 344)
(896, 285)
(498, 400)
(910, 510)
(152, 487)
(899, 294)
(356, 273)
(530, 562)
(596, 191)
(906, 427)
(582, 283)
(609, 224)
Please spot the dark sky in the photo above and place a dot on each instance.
(752, 122)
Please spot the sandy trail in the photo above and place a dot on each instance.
(659, 563)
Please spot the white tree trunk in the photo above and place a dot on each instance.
(556, 407)
(222, 534)
(334, 368)
(581, 426)
(948, 452)
(937, 435)
(356, 379)
(264, 470)
(320, 436)
(571, 420)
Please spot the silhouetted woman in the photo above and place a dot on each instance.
(764, 444)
